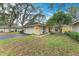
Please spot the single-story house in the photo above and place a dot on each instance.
(65, 28)
(13, 28)
(75, 26)
(36, 29)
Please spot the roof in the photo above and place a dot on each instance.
(28, 26)
(75, 22)
(32, 25)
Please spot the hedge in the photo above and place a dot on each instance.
(74, 35)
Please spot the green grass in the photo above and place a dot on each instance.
(62, 45)
(14, 32)
(55, 44)
(74, 35)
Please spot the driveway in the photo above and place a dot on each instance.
(11, 36)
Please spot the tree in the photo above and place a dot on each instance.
(59, 19)
(28, 14)
(73, 11)
(2, 14)
(12, 11)
(25, 11)
(21, 13)
(9, 14)
(60, 7)
(38, 18)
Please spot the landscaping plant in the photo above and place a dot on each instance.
(74, 35)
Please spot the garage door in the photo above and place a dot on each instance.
(29, 30)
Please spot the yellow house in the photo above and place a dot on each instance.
(66, 28)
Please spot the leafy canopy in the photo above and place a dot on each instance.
(59, 18)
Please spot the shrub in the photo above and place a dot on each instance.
(52, 33)
(22, 32)
(74, 35)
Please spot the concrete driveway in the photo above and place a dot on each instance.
(11, 36)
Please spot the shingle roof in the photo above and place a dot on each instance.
(76, 21)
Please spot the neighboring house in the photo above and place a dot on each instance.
(36, 29)
(75, 26)
(66, 28)
(13, 29)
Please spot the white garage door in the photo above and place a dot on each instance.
(29, 30)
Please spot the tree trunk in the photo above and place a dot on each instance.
(60, 29)
(16, 30)
(22, 30)
(9, 29)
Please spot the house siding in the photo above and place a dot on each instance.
(7, 30)
(29, 30)
(76, 27)
(66, 29)
(38, 29)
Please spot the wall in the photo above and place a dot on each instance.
(7, 30)
(75, 27)
(29, 30)
(47, 29)
(38, 29)
(1, 30)
(19, 29)
(66, 28)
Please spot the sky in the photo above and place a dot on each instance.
(49, 12)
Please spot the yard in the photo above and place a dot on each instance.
(52, 45)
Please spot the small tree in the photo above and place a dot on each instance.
(59, 19)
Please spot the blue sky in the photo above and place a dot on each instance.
(49, 13)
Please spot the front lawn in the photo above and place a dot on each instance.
(32, 45)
